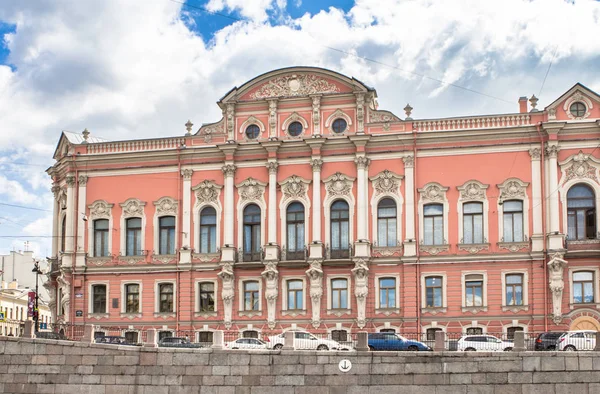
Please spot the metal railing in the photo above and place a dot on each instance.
(288, 254)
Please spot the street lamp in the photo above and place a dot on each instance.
(36, 316)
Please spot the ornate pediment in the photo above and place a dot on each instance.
(100, 209)
(166, 206)
(513, 188)
(472, 191)
(133, 207)
(581, 166)
(386, 182)
(338, 184)
(251, 190)
(382, 117)
(207, 192)
(294, 187)
(210, 130)
(433, 192)
(291, 85)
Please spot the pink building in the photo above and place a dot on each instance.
(306, 206)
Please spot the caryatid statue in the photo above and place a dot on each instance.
(556, 267)
(361, 290)
(271, 274)
(315, 275)
(227, 292)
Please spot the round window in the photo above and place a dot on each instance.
(295, 129)
(252, 131)
(339, 125)
(577, 109)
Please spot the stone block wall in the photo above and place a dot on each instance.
(42, 366)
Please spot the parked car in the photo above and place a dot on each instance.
(547, 340)
(392, 341)
(246, 343)
(178, 342)
(488, 343)
(51, 335)
(577, 340)
(114, 340)
(306, 341)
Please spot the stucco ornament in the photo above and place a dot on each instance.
(409, 161)
(316, 117)
(166, 206)
(294, 187)
(386, 182)
(382, 116)
(211, 130)
(227, 292)
(580, 168)
(556, 267)
(270, 274)
(251, 189)
(315, 276)
(361, 290)
(100, 210)
(552, 151)
(535, 153)
(338, 184)
(133, 208)
(512, 189)
(433, 192)
(230, 112)
(294, 85)
(581, 98)
(272, 118)
(360, 112)
(317, 165)
(229, 170)
(207, 192)
(64, 286)
(472, 191)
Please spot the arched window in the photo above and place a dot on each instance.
(386, 223)
(581, 212)
(101, 238)
(340, 231)
(133, 241)
(473, 223)
(166, 236)
(63, 234)
(252, 233)
(433, 222)
(513, 221)
(295, 231)
(208, 230)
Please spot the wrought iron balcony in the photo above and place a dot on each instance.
(288, 254)
(332, 253)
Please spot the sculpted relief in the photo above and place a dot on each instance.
(294, 85)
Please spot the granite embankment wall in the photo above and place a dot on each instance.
(38, 366)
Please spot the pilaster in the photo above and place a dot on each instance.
(316, 246)
(555, 239)
(361, 246)
(67, 258)
(537, 237)
(186, 252)
(271, 247)
(55, 221)
(410, 244)
(81, 219)
(228, 250)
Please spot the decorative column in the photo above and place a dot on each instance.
(315, 276)
(556, 268)
(362, 243)
(186, 252)
(271, 247)
(554, 237)
(316, 249)
(537, 237)
(410, 244)
(271, 275)
(227, 291)
(230, 121)
(272, 118)
(360, 112)
(228, 250)
(361, 290)
(56, 221)
(81, 214)
(316, 114)
(67, 259)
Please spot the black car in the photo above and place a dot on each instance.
(178, 342)
(115, 340)
(51, 335)
(547, 340)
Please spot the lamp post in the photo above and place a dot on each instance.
(36, 315)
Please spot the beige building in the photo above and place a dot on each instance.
(13, 304)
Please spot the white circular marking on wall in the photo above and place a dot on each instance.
(345, 365)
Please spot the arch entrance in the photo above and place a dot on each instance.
(585, 323)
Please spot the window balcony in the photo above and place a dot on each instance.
(332, 253)
(251, 256)
(288, 254)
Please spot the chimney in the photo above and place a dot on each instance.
(523, 105)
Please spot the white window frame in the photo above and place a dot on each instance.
(156, 223)
(522, 196)
(157, 283)
(444, 276)
(465, 199)
(375, 200)
(328, 201)
(596, 271)
(283, 206)
(252, 120)
(378, 309)
(92, 217)
(484, 292)
(197, 297)
(123, 229)
(525, 295)
(515, 323)
(330, 279)
(197, 211)
(475, 324)
(425, 199)
(284, 303)
(242, 296)
(564, 189)
(242, 204)
(294, 117)
(338, 113)
(124, 283)
(91, 285)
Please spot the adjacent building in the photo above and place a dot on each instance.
(14, 303)
(307, 206)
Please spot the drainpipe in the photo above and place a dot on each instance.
(543, 198)
(416, 224)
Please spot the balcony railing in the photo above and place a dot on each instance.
(133, 146)
(473, 122)
(288, 254)
(251, 256)
(333, 253)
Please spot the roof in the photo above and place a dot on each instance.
(577, 86)
(77, 138)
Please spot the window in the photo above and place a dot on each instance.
(431, 333)
(295, 129)
(99, 334)
(295, 231)
(433, 291)
(132, 298)
(386, 223)
(166, 236)
(131, 336)
(99, 299)
(388, 330)
(339, 125)
(474, 331)
(206, 294)
(251, 296)
(252, 131)
(472, 223)
(583, 287)
(208, 230)
(250, 334)
(510, 332)
(339, 335)
(578, 109)
(63, 233)
(164, 334)
(514, 289)
(165, 292)
(101, 238)
(134, 237)
(433, 222)
(473, 290)
(581, 213)
(387, 293)
(295, 294)
(252, 233)
(339, 294)
(513, 221)
(205, 337)
(340, 242)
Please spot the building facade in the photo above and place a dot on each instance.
(17, 266)
(308, 207)
(14, 301)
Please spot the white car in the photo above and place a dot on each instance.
(306, 341)
(487, 343)
(577, 340)
(246, 343)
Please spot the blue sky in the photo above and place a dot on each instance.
(123, 71)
